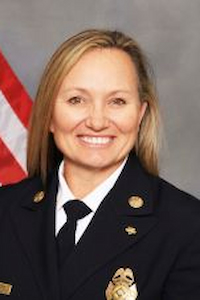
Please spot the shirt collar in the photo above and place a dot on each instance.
(93, 199)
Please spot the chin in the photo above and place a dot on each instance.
(102, 165)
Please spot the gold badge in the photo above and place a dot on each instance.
(136, 202)
(39, 196)
(5, 288)
(122, 286)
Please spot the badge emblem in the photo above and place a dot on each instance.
(122, 286)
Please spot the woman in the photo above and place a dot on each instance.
(94, 137)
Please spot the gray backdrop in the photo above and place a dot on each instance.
(169, 31)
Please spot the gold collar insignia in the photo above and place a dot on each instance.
(5, 288)
(38, 197)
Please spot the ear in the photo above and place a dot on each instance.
(51, 127)
(143, 109)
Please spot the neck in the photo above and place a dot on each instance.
(83, 181)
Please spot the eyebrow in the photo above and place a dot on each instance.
(79, 89)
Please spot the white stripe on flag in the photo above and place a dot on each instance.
(12, 132)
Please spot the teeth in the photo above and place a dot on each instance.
(96, 140)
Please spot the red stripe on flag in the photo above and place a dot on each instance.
(14, 92)
(10, 170)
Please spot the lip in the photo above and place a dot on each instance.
(96, 141)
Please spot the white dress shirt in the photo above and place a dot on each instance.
(92, 200)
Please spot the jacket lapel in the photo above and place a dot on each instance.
(34, 224)
(109, 227)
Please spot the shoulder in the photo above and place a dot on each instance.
(173, 197)
(178, 209)
(166, 200)
(13, 193)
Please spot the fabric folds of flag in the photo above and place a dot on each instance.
(15, 108)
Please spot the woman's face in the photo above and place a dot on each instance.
(97, 111)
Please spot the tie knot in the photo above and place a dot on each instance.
(76, 209)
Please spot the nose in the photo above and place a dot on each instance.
(97, 119)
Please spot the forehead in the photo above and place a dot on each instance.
(108, 55)
(103, 66)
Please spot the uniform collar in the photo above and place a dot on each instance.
(133, 181)
(93, 199)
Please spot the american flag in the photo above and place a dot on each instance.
(15, 108)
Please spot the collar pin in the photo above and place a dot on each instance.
(130, 230)
(136, 202)
(38, 197)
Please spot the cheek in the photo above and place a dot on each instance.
(128, 124)
(132, 121)
(59, 125)
(62, 121)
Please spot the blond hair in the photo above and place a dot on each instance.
(43, 155)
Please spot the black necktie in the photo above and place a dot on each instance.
(75, 210)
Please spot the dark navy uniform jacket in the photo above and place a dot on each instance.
(158, 239)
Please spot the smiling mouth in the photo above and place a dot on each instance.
(96, 140)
